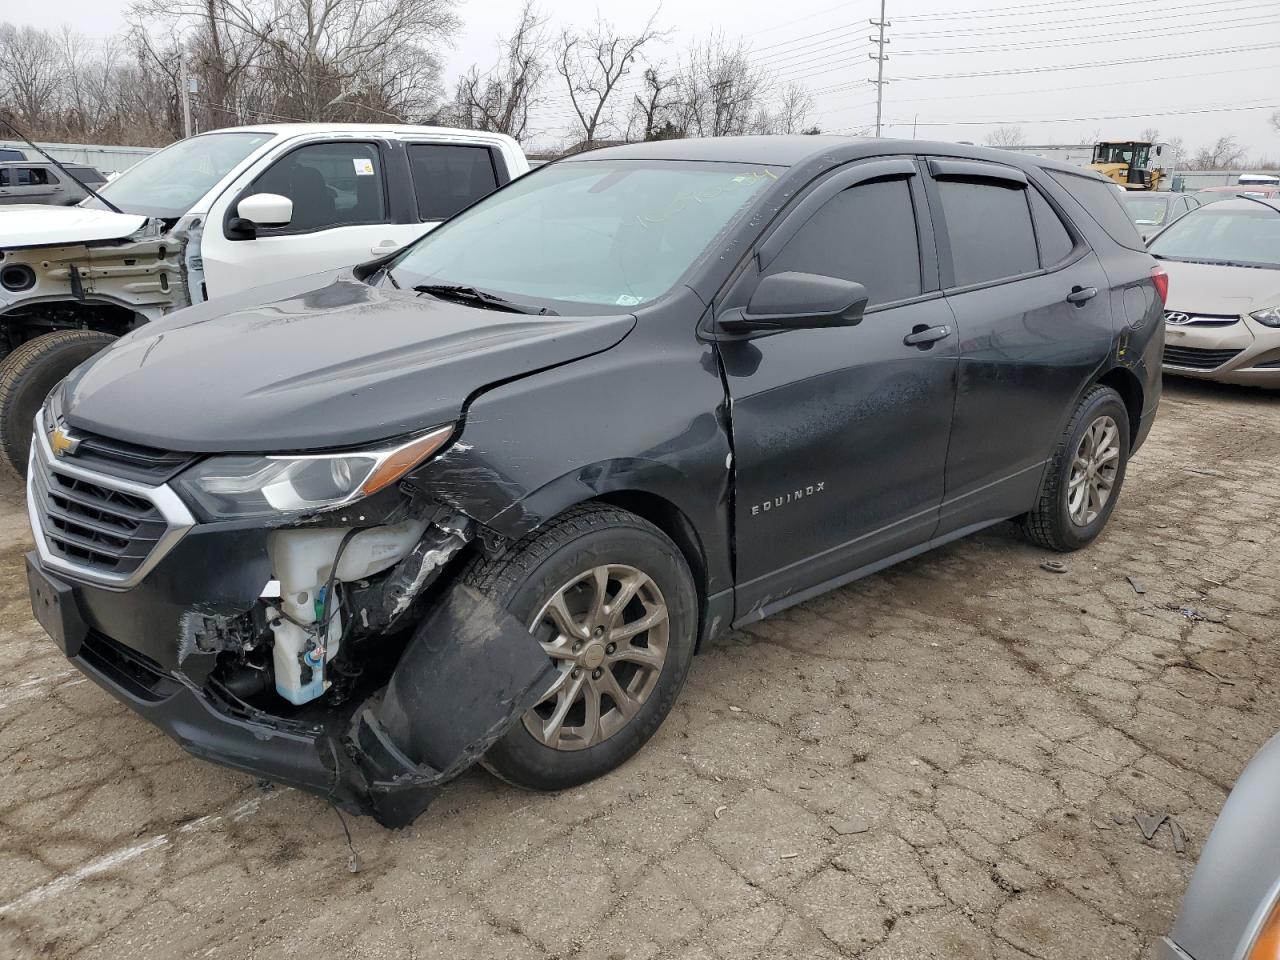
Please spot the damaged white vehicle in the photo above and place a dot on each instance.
(213, 215)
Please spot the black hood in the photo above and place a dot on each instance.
(335, 365)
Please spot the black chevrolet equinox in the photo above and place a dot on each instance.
(482, 499)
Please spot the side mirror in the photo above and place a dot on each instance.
(266, 210)
(785, 301)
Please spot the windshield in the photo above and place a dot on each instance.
(167, 183)
(1214, 235)
(1145, 210)
(617, 233)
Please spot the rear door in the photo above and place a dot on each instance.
(840, 434)
(1031, 306)
(449, 177)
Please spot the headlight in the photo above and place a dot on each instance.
(256, 486)
(1270, 316)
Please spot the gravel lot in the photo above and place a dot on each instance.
(923, 764)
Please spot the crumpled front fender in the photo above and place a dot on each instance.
(469, 674)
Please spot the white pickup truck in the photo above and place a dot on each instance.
(212, 215)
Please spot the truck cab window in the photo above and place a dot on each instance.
(330, 184)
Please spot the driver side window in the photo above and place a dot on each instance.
(866, 234)
(330, 184)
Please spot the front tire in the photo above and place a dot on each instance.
(28, 375)
(1085, 475)
(611, 599)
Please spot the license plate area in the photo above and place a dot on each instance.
(54, 605)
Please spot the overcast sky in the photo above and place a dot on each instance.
(1196, 71)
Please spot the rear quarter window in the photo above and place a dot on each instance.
(1103, 203)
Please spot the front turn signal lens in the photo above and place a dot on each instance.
(403, 459)
(1266, 945)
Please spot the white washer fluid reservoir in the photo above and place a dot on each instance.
(302, 561)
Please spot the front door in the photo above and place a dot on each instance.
(840, 434)
(341, 216)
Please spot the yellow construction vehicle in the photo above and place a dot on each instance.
(1134, 164)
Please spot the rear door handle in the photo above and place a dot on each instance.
(1081, 295)
(924, 337)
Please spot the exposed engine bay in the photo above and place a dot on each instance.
(104, 284)
(335, 591)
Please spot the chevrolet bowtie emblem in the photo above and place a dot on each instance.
(63, 443)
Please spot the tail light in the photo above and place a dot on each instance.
(1161, 280)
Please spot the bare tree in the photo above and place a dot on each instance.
(305, 59)
(592, 62)
(501, 98)
(653, 109)
(790, 114)
(722, 90)
(1275, 121)
(1006, 137)
(1150, 135)
(1224, 154)
(30, 71)
(1177, 152)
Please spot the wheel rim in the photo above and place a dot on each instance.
(606, 630)
(1093, 471)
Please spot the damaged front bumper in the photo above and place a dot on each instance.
(175, 638)
(469, 673)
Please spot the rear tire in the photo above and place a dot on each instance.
(27, 377)
(1084, 477)
(550, 581)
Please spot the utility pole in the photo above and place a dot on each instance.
(880, 57)
(186, 97)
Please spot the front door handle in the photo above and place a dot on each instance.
(925, 337)
(1081, 295)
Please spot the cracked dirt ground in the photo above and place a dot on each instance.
(981, 717)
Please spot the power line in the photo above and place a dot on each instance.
(807, 16)
(1084, 86)
(1238, 24)
(1198, 10)
(781, 62)
(841, 61)
(1093, 65)
(998, 13)
(1122, 116)
(783, 43)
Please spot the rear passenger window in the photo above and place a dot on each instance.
(1055, 241)
(449, 178)
(1102, 201)
(866, 234)
(34, 177)
(989, 225)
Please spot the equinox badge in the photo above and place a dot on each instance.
(790, 496)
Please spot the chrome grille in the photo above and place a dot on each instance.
(90, 524)
(129, 460)
(1177, 319)
(98, 527)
